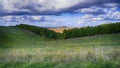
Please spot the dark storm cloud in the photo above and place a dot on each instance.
(54, 7)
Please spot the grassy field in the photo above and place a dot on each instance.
(23, 49)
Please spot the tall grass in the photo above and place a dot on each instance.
(100, 56)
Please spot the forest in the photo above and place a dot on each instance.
(75, 32)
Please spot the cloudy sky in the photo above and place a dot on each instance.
(54, 13)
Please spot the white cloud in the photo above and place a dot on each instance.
(111, 4)
(36, 17)
(93, 10)
(91, 20)
(88, 16)
(40, 5)
(7, 18)
(114, 15)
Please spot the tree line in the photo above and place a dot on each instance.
(90, 31)
(44, 32)
(75, 32)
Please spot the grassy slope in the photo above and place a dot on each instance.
(13, 36)
(22, 49)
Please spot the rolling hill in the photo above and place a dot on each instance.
(10, 35)
(23, 37)
(23, 49)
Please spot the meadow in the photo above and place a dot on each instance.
(23, 49)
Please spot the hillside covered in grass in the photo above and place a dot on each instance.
(20, 48)
(16, 36)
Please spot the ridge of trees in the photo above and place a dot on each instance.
(44, 32)
(75, 32)
(90, 31)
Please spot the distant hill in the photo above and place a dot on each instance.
(59, 29)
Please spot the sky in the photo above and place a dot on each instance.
(57, 13)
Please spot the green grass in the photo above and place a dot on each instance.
(23, 49)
